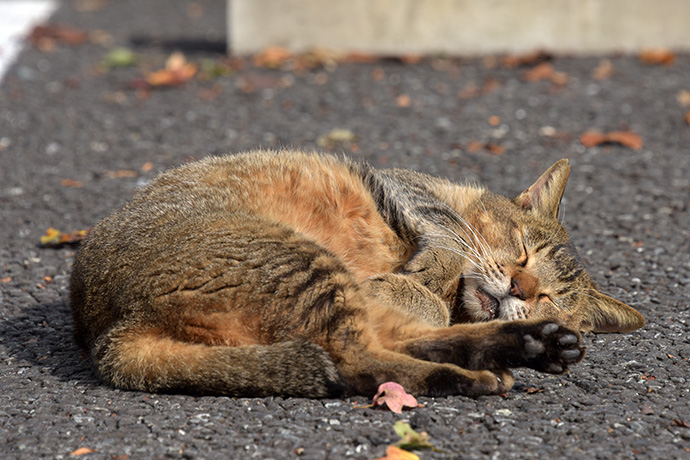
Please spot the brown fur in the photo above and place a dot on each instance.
(293, 274)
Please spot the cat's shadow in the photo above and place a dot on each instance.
(42, 337)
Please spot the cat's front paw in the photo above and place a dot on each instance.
(548, 346)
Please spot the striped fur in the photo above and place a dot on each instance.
(305, 275)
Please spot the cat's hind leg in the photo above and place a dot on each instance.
(142, 358)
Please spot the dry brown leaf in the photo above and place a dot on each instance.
(82, 451)
(378, 74)
(624, 138)
(687, 117)
(532, 390)
(411, 59)
(681, 423)
(403, 100)
(495, 149)
(272, 57)
(604, 70)
(396, 453)
(474, 146)
(71, 183)
(177, 72)
(657, 56)
(121, 173)
(359, 58)
(545, 71)
(54, 238)
(472, 90)
(683, 97)
(6, 279)
(517, 60)
(394, 396)
(48, 35)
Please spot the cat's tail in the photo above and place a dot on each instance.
(145, 360)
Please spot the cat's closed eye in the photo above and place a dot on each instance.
(524, 257)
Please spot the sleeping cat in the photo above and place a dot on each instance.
(285, 273)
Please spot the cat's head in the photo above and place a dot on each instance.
(521, 264)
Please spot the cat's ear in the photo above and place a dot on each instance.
(544, 196)
(606, 314)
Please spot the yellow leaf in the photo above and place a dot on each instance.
(396, 453)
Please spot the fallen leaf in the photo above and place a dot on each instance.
(359, 58)
(474, 146)
(683, 97)
(495, 149)
(82, 451)
(272, 57)
(396, 453)
(403, 100)
(213, 68)
(6, 279)
(378, 74)
(532, 390)
(490, 147)
(411, 59)
(624, 138)
(657, 56)
(409, 438)
(494, 120)
(177, 72)
(317, 58)
(687, 117)
(604, 70)
(681, 423)
(517, 60)
(121, 173)
(335, 137)
(394, 396)
(119, 57)
(146, 167)
(47, 35)
(54, 238)
(646, 409)
(545, 71)
(71, 183)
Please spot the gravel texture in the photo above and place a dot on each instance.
(628, 211)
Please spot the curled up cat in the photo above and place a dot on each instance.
(294, 274)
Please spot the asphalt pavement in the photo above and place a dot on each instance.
(78, 135)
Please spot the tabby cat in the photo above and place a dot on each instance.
(294, 274)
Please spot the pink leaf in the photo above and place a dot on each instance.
(394, 396)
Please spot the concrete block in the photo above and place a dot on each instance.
(459, 27)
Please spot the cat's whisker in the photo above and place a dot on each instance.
(465, 226)
(460, 253)
(456, 238)
(487, 213)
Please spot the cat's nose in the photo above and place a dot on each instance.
(515, 290)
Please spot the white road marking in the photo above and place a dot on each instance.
(17, 17)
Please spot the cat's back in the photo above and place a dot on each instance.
(186, 210)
